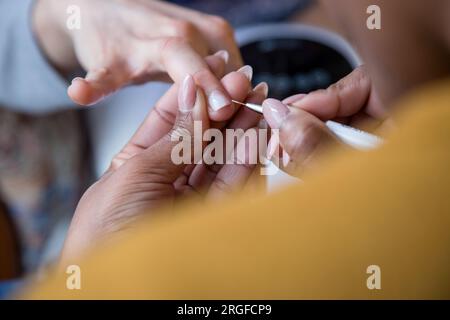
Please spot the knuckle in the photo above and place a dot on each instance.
(307, 134)
(221, 27)
(174, 43)
(203, 76)
(183, 29)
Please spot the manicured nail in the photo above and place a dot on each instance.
(262, 88)
(272, 147)
(223, 54)
(217, 100)
(247, 71)
(293, 99)
(262, 124)
(275, 112)
(286, 159)
(187, 94)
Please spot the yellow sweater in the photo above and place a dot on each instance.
(389, 207)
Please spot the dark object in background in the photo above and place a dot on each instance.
(10, 265)
(294, 58)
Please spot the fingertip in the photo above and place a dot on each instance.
(82, 92)
(275, 112)
(237, 85)
(262, 89)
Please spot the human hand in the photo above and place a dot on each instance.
(129, 41)
(143, 176)
(303, 135)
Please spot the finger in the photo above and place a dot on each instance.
(165, 161)
(178, 58)
(301, 135)
(219, 35)
(162, 117)
(97, 85)
(240, 167)
(343, 99)
(217, 32)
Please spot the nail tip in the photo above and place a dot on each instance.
(263, 87)
(224, 55)
(218, 101)
(247, 71)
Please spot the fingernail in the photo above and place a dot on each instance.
(286, 159)
(275, 112)
(271, 148)
(262, 124)
(262, 88)
(77, 79)
(187, 94)
(223, 54)
(247, 71)
(217, 100)
(294, 98)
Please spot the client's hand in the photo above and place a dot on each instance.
(128, 41)
(303, 134)
(143, 176)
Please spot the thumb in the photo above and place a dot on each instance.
(96, 85)
(182, 145)
(301, 135)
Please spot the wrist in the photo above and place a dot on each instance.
(54, 39)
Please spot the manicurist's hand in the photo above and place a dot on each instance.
(144, 175)
(303, 135)
(133, 41)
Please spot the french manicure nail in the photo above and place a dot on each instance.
(275, 112)
(187, 94)
(223, 54)
(286, 159)
(271, 148)
(217, 100)
(247, 71)
(263, 88)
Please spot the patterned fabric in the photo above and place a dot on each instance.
(40, 173)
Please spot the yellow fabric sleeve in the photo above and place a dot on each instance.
(389, 207)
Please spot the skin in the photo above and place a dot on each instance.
(140, 180)
(148, 40)
(411, 49)
(143, 176)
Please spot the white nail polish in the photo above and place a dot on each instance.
(286, 159)
(223, 54)
(217, 100)
(247, 71)
(263, 88)
(272, 148)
